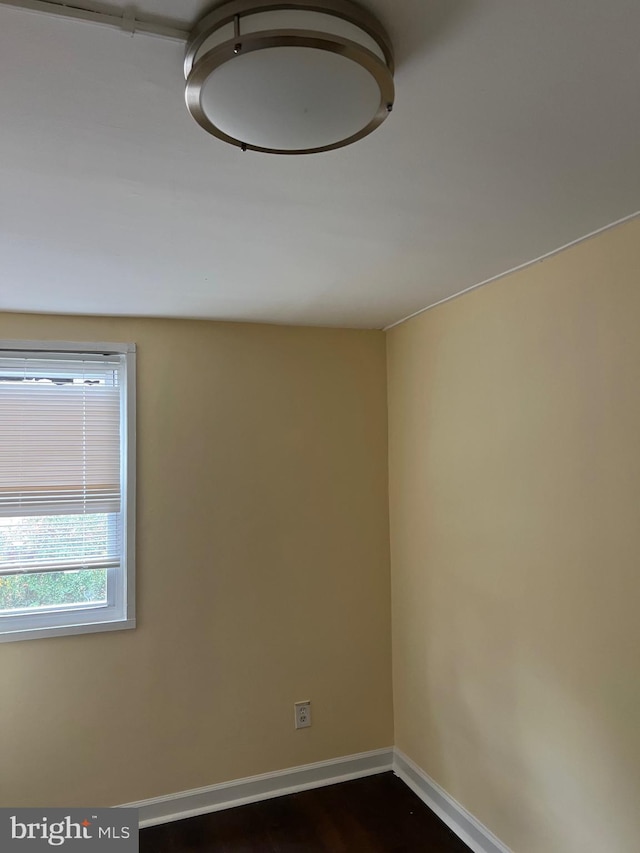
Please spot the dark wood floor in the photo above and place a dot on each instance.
(378, 814)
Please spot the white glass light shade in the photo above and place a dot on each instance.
(281, 84)
(259, 99)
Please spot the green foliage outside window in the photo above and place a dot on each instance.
(52, 588)
(47, 538)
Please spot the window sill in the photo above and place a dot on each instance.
(66, 630)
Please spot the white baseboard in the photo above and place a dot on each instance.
(255, 788)
(465, 825)
(240, 792)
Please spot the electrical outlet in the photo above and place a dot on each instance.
(302, 714)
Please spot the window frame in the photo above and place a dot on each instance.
(59, 621)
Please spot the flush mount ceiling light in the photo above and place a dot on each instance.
(295, 77)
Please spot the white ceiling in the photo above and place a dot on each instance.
(516, 130)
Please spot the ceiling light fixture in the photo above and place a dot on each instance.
(295, 77)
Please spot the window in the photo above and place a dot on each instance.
(67, 480)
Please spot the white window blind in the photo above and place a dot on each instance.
(60, 458)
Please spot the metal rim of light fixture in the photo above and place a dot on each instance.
(198, 71)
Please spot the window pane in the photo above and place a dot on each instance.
(32, 540)
(67, 428)
(53, 588)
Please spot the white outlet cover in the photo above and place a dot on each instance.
(302, 714)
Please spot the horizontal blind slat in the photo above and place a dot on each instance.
(58, 566)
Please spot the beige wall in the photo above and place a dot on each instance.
(263, 573)
(515, 543)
